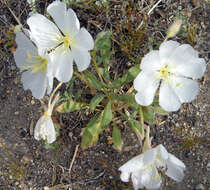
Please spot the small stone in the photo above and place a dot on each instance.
(16, 183)
(16, 81)
(32, 102)
(16, 113)
(200, 187)
(26, 159)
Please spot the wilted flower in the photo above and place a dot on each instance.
(173, 65)
(36, 77)
(44, 128)
(143, 168)
(65, 41)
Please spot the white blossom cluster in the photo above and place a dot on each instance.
(50, 47)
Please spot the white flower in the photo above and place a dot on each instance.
(27, 58)
(173, 65)
(143, 168)
(44, 128)
(65, 41)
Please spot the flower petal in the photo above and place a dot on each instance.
(62, 67)
(168, 100)
(166, 49)
(36, 82)
(185, 89)
(146, 84)
(72, 24)
(136, 179)
(149, 156)
(175, 161)
(125, 176)
(187, 63)
(24, 42)
(43, 31)
(24, 46)
(130, 166)
(57, 11)
(162, 152)
(50, 84)
(151, 61)
(84, 40)
(193, 68)
(175, 168)
(50, 131)
(151, 179)
(82, 58)
(37, 128)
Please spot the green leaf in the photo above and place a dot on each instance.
(70, 105)
(155, 102)
(148, 114)
(126, 98)
(103, 41)
(128, 77)
(116, 138)
(95, 101)
(92, 130)
(78, 94)
(106, 116)
(132, 73)
(134, 124)
(94, 81)
(159, 110)
(118, 82)
(54, 145)
(95, 126)
(103, 46)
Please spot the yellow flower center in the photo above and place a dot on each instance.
(164, 72)
(149, 169)
(67, 41)
(40, 63)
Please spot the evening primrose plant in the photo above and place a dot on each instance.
(50, 47)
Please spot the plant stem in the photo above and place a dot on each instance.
(53, 93)
(13, 14)
(97, 70)
(141, 119)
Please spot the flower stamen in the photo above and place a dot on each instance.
(67, 41)
(39, 66)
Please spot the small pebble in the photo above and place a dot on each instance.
(32, 102)
(16, 113)
(16, 183)
(26, 159)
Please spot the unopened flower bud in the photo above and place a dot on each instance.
(174, 29)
